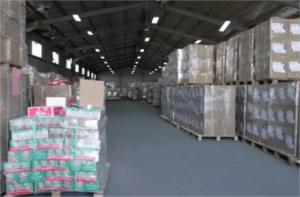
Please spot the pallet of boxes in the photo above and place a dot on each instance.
(267, 112)
(190, 101)
(56, 148)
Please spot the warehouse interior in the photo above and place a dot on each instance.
(158, 129)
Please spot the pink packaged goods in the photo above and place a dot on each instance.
(46, 111)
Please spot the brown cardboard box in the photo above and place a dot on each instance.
(199, 50)
(246, 55)
(227, 127)
(91, 92)
(211, 127)
(41, 92)
(44, 81)
(278, 28)
(220, 62)
(294, 28)
(293, 47)
(200, 77)
(211, 110)
(276, 68)
(293, 67)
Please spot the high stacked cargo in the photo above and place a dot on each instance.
(208, 110)
(271, 115)
(277, 49)
(156, 96)
(12, 30)
(231, 66)
(220, 62)
(112, 92)
(57, 153)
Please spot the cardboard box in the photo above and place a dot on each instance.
(91, 93)
(294, 67)
(41, 92)
(42, 110)
(294, 28)
(44, 81)
(200, 77)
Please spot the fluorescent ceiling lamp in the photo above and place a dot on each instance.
(107, 66)
(136, 62)
(165, 63)
(139, 57)
(105, 62)
(198, 41)
(224, 26)
(134, 66)
(155, 20)
(155, 69)
(142, 50)
(76, 17)
(90, 33)
(159, 67)
(147, 39)
(97, 50)
(102, 57)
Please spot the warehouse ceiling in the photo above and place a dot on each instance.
(120, 28)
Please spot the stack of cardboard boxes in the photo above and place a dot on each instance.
(12, 33)
(231, 66)
(277, 49)
(220, 62)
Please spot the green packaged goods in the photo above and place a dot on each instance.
(82, 144)
(82, 123)
(21, 145)
(86, 176)
(86, 166)
(84, 113)
(45, 165)
(70, 133)
(23, 156)
(66, 175)
(65, 155)
(49, 144)
(26, 122)
(24, 177)
(27, 134)
(48, 185)
(15, 167)
(81, 186)
(19, 189)
(87, 155)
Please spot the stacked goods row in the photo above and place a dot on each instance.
(112, 92)
(57, 153)
(134, 90)
(194, 64)
(268, 115)
(156, 97)
(150, 91)
(208, 110)
(14, 103)
(141, 90)
(12, 32)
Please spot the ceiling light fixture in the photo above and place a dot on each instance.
(139, 57)
(107, 66)
(76, 17)
(90, 33)
(198, 41)
(102, 57)
(105, 62)
(155, 20)
(165, 63)
(142, 50)
(155, 69)
(134, 66)
(159, 67)
(147, 39)
(136, 62)
(224, 26)
(97, 50)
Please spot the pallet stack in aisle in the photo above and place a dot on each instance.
(13, 33)
(157, 96)
(204, 110)
(52, 153)
(112, 92)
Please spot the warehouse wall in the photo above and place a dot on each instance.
(45, 64)
(123, 75)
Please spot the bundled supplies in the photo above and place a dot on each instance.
(57, 153)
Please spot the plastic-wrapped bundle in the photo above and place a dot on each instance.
(137, 94)
(246, 55)
(231, 59)
(113, 94)
(150, 95)
(110, 85)
(220, 62)
(65, 161)
(144, 87)
(240, 110)
(124, 91)
(33, 74)
(271, 113)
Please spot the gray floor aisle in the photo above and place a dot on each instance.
(149, 157)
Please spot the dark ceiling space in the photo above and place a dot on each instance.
(120, 27)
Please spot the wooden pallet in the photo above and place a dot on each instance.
(292, 161)
(197, 135)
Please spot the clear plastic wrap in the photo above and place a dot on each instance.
(206, 109)
(271, 115)
(66, 162)
(110, 85)
(246, 55)
(34, 76)
(113, 94)
(231, 59)
(220, 62)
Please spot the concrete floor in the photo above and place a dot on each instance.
(149, 157)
